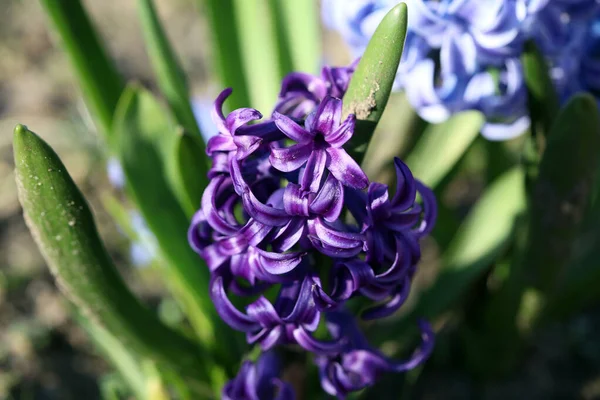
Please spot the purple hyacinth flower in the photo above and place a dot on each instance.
(259, 381)
(301, 93)
(291, 320)
(319, 147)
(360, 365)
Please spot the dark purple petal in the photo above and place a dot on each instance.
(315, 167)
(231, 315)
(263, 312)
(295, 200)
(391, 306)
(308, 342)
(329, 201)
(240, 117)
(291, 129)
(345, 169)
(278, 264)
(217, 110)
(406, 189)
(210, 209)
(220, 142)
(422, 353)
(246, 145)
(263, 213)
(343, 133)
(328, 115)
(287, 159)
(336, 238)
(430, 205)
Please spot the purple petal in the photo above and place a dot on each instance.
(227, 311)
(343, 133)
(278, 264)
(406, 189)
(422, 353)
(315, 167)
(345, 169)
(327, 117)
(263, 311)
(240, 117)
(291, 129)
(335, 238)
(329, 201)
(287, 159)
(430, 205)
(391, 306)
(311, 344)
(217, 110)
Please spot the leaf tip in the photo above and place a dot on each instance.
(20, 130)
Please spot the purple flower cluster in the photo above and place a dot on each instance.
(465, 54)
(291, 224)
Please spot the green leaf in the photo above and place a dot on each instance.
(479, 241)
(543, 101)
(191, 168)
(63, 227)
(100, 83)
(226, 49)
(442, 145)
(147, 154)
(168, 71)
(145, 146)
(260, 56)
(562, 192)
(120, 357)
(371, 83)
(299, 30)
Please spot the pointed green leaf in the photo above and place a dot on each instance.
(147, 154)
(146, 144)
(119, 356)
(63, 227)
(299, 30)
(442, 146)
(563, 190)
(543, 101)
(168, 71)
(226, 49)
(479, 241)
(100, 83)
(260, 57)
(371, 83)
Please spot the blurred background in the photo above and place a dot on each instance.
(44, 354)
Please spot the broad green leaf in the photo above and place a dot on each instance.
(63, 227)
(100, 83)
(371, 83)
(260, 57)
(543, 101)
(147, 140)
(299, 29)
(562, 192)
(147, 154)
(226, 49)
(442, 146)
(479, 241)
(126, 363)
(168, 71)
